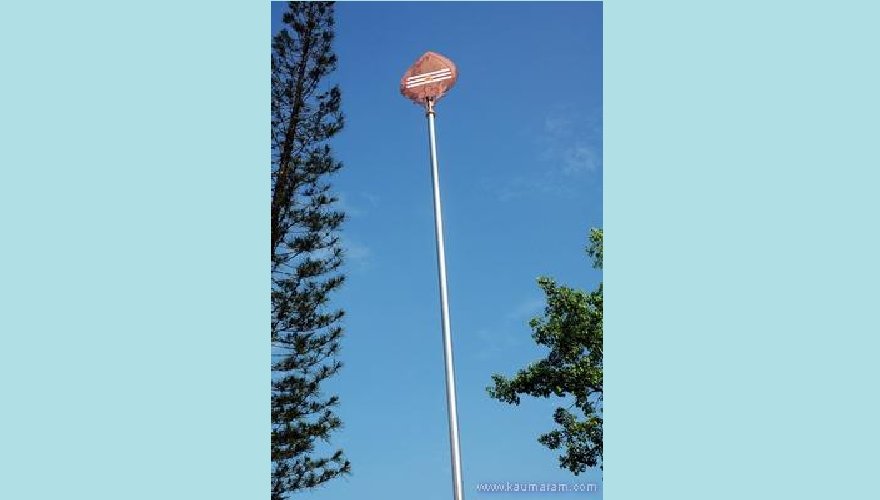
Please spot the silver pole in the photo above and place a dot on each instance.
(454, 447)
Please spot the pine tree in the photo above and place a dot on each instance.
(572, 330)
(306, 251)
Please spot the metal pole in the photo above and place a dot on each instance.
(454, 447)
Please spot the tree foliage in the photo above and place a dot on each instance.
(306, 251)
(572, 330)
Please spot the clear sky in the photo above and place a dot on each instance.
(520, 152)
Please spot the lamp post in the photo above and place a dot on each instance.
(425, 83)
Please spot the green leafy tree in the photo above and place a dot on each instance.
(572, 329)
(306, 251)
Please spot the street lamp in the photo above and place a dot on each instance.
(425, 82)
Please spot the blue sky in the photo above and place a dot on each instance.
(520, 152)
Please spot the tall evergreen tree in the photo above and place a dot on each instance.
(572, 330)
(306, 251)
